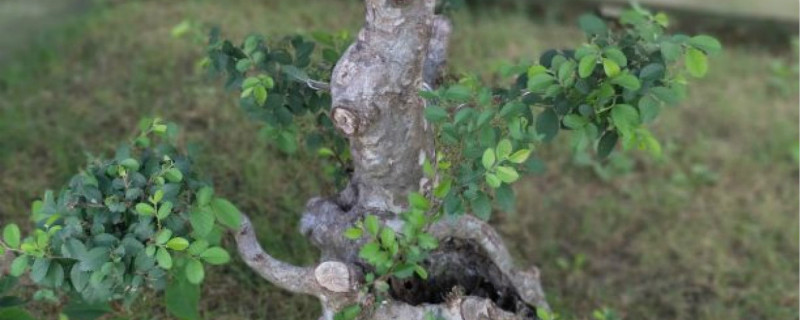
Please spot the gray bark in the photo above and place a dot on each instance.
(375, 103)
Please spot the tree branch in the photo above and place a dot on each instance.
(468, 227)
(287, 276)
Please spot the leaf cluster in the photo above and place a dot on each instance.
(603, 92)
(284, 86)
(397, 254)
(124, 225)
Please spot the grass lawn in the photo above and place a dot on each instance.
(709, 232)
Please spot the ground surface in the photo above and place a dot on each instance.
(711, 232)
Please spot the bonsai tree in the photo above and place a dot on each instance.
(422, 159)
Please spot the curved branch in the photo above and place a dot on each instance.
(469, 227)
(282, 274)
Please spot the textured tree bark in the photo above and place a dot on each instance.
(375, 103)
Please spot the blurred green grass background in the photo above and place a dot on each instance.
(709, 232)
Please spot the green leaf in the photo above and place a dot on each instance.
(163, 258)
(18, 266)
(427, 169)
(696, 63)
(670, 51)
(417, 201)
(286, 142)
(215, 256)
(507, 174)
(163, 236)
(131, 164)
(388, 238)
(268, 82)
(627, 81)
(369, 251)
(93, 259)
(159, 128)
(587, 65)
(592, 24)
(553, 90)
(243, 65)
(194, 271)
(481, 206)
(353, 233)
(540, 82)
(547, 124)
(39, 269)
(606, 144)
(197, 247)
(427, 242)
(78, 278)
(484, 117)
(421, 272)
(250, 82)
(158, 196)
(202, 220)
(512, 108)
(326, 152)
(706, 43)
(653, 71)
(246, 93)
(11, 236)
(164, 210)
(443, 188)
(178, 244)
(610, 67)
(535, 70)
(372, 224)
(504, 196)
(665, 94)
(458, 93)
(574, 121)
(15, 313)
(625, 118)
(348, 313)
(503, 149)
(662, 19)
(145, 209)
(403, 271)
(520, 156)
(488, 158)
(173, 175)
(649, 108)
(79, 309)
(226, 213)
(566, 70)
(294, 73)
(492, 180)
(182, 299)
(463, 115)
(250, 44)
(260, 94)
(648, 142)
(616, 55)
(436, 114)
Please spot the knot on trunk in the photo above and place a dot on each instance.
(333, 275)
(346, 121)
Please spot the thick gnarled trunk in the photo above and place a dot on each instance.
(374, 91)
